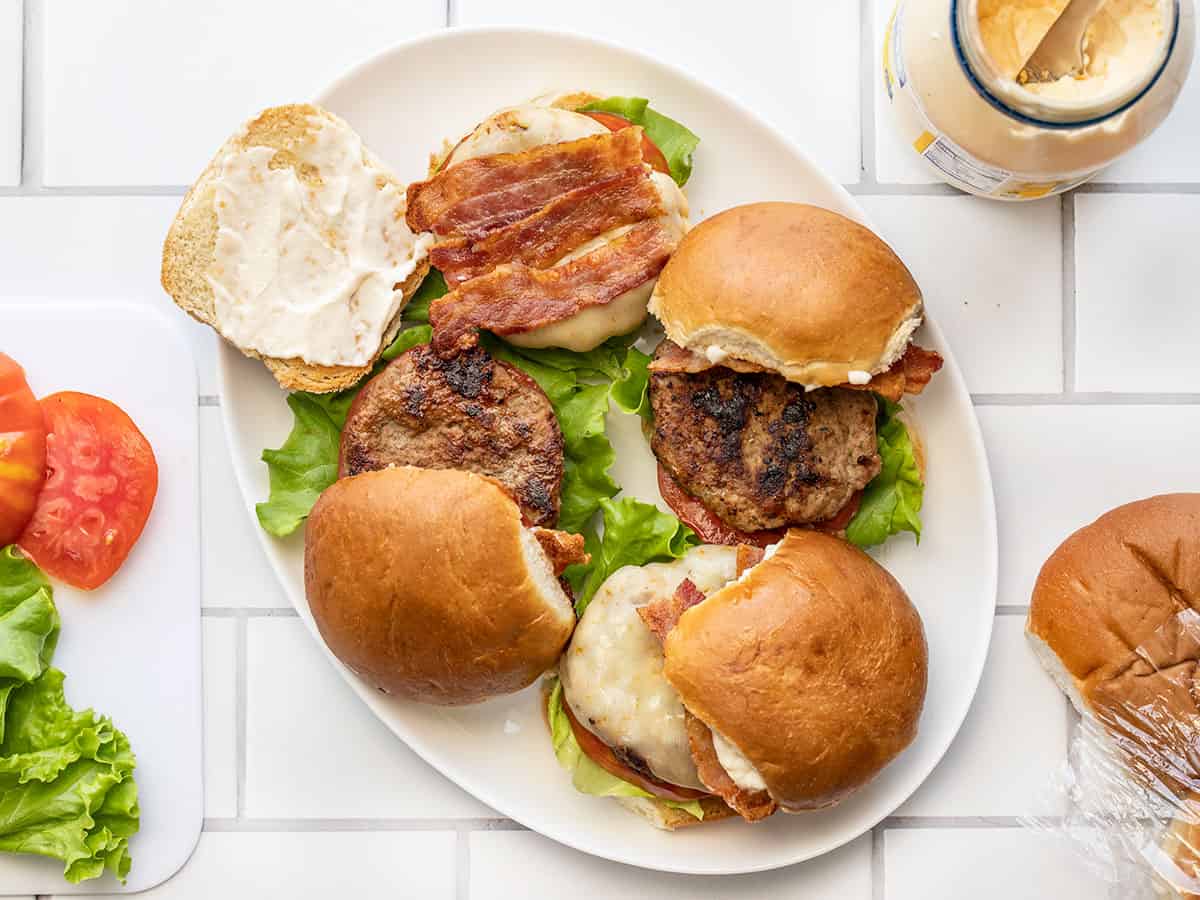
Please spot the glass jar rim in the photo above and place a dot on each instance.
(964, 30)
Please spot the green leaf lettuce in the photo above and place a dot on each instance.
(891, 503)
(66, 777)
(676, 142)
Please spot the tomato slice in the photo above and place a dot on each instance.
(650, 151)
(101, 478)
(713, 530)
(22, 450)
(707, 525)
(602, 755)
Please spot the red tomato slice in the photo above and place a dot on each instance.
(22, 451)
(602, 755)
(712, 530)
(650, 151)
(708, 527)
(101, 478)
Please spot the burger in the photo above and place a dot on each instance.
(552, 220)
(738, 680)
(789, 346)
(427, 584)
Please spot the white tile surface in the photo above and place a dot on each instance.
(1170, 153)
(236, 571)
(354, 768)
(11, 62)
(511, 864)
(315, 866)
(796, 64)
(82, 247)
(220, 719)
(1135, 297)
(158, 99)
(1056, 468)
(994, 768)
(983, 864)
(992, 278)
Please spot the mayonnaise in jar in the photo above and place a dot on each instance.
(952, 78)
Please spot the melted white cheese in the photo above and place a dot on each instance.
(736, 765)
(857, 376)
(612, 671)
(309, 268)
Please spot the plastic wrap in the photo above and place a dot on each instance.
(1129, 790)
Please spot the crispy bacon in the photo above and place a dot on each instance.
(480, 195)
(566, 223)
(750, 805)
(563, 548)
(515, 297)
(661, 615)
(748, 557)
(908, 375)
(708, 525)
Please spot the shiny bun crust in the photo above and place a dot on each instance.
(1114, 620)
(426, 584)
(792, 288)
(814, 665)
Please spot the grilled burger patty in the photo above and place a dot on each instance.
(466, 412)
(758, 450)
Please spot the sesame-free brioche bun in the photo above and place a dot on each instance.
(1115, 619)
(813, 665)
(426, 584)
(790, 288)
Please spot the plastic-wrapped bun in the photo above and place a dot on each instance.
(1115, 618)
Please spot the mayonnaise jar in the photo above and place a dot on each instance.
(951, 78)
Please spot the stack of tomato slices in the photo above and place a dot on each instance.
(77, 480)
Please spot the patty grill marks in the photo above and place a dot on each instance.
(759, 451)
(467, 412)
(514, 297)
(564, 224)
(479, 195)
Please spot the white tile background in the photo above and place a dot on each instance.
(1073, 319)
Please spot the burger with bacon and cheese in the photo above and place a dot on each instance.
(552, 221)
(775, 395)
(735, 680)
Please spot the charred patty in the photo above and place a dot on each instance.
(760, 451)
(466, 412)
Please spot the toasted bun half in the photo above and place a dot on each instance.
(791, 288)
(426, 584)
(813, 665)
(192, 239)
(1114, 618)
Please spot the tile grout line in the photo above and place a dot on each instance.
(241, 676)
(296, 826)
(31, 97)
(878, 879)
(1068, 294)
(248, 612)
(462, 863)
(868, 182)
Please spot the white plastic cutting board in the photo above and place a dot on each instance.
(130, 649)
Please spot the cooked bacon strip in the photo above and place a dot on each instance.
(479, 195)
(908, 375)
(563, 548)
(709, 527)
(514, 297)
(567, 222)
(661, 615)
(750, 805)
(748, 557)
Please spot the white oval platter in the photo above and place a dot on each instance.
(404, 102)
